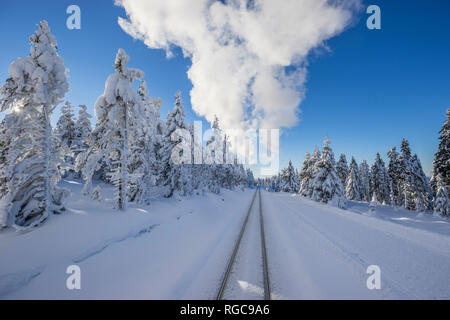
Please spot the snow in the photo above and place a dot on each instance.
(178, 249)
(329, 250)
(145, 252)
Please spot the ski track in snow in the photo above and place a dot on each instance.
(14, 281)
(99, 248)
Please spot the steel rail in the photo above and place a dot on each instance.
(264, 253)
(235, 251)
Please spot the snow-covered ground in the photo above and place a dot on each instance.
(178, 249)
(143, 253)
(329, 250)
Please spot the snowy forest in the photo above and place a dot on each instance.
(402, 183)
(130, 147)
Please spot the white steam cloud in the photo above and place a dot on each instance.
(240, 50)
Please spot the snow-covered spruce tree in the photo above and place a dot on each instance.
(420, 206)
(289, 180)
(65, 127)
(379, 182)
(269, 183)
(407, 177)
(198, 184)
(157, 165)
(327, 185)
(303, 177)
(276, 183)
(150, 109)
(440, 179)
(394, 173)
(422, 191)
(342, 168)
(250, 177)
(266, 182)
(229, 174)
(213, 158)
(408, 182)
(441, 202)
(65, 137)
(82, 130)
(5, 174)
(141, 167)
(353, 184)
(150, 116)
(232, 175)
(90, 163)
(235, 175)
(115, 110)
(157, 130)
(5, 142)
(175, 175)
(139, 149)
(307, 173)
(35, 86)
(241, 175)
(364, 176)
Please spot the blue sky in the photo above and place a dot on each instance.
(370, 89)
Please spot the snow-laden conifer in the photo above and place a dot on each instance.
(440, 179)
(394, 173)
(213, 158)
(65, 137)
(379, 182)
(289, 179)
(441, 203)
(353, 183)
(82, 129)
(307, 173)
(176, 175)
(327, 185)
(115, 109)
(407, 181)
(250, 177)
(35, 86)
(422, 189)
(342, 169)
(364, 178)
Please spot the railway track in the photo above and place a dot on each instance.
(231, 262)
